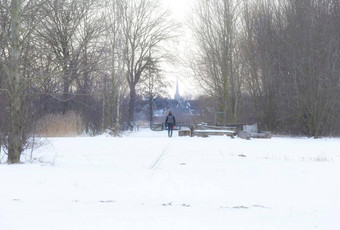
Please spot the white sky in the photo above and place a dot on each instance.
(179, 8)
(180, 11)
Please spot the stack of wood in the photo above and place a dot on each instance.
(245, 132)
(203, 130)
(183, 133)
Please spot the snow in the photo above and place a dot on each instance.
(145, 180)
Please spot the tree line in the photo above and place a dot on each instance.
(81, 55)
(274, 62)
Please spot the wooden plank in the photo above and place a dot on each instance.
(229, 133)
(211, 127)
(215, 131)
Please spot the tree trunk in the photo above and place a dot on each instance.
(65, 96)
(14, 140)
(151, 109)
(132, 103)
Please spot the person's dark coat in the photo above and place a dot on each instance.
(170, 120)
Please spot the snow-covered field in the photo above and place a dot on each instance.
(145, 180)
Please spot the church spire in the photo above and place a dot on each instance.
(177, 96)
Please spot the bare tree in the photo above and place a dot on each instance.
(17, 25)
(216, 63)
(69, 30)
(114, 64)
(153, 85)
(261, 44)
(311, 37)
(291, 53)
(146, 27)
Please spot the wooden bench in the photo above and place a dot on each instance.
(207, 132)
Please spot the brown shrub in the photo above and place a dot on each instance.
(60, 125)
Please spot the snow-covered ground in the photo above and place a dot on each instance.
(145, 180)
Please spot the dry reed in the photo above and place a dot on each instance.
(60, 125)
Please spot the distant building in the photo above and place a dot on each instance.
(184, 110)
(177, 96)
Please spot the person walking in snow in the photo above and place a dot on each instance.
(170, 121)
